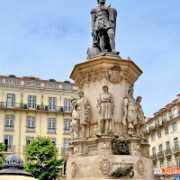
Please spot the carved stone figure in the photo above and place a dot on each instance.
(130, 112)
(140, 118)
(83, 109)
(75, 124)
(103, 28)
(105, 107)
(74, 169)
(139, 167)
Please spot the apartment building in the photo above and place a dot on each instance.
(29, 107)
(163, 134)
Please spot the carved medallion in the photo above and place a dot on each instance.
(136, 147)
(139, 167)
(104, 145)
(115, 74)
(76, 150)
(74, 169)
(105, 166)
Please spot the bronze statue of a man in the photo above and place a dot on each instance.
(103, 27)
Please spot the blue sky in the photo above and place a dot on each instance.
(46, 39)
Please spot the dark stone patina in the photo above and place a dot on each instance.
(123, 171)
(120, 147)
(103, 30)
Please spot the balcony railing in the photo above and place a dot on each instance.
(10, 148)
(160, 154)
(64, 150)
(51, 130)
(165, 120)
(9, 127)
(30, 129)
(174, 115)
(37, 107)
(67, 131)
(168, 152)
(154, 157)
(176, 149)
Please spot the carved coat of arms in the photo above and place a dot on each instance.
(115, 74)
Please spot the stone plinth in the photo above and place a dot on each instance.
(111, 152)
(113, 71)
(102, 166)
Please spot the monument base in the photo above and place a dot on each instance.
(109, 167)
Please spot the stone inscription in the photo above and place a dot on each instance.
(122, 164)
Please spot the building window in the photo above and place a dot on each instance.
(67, 126)
(28, 140)
(152, 137)
(174, 113)
(30, 124)
(66, 145)
(167, 145)
(10, 100)
(166, 130)
(159, 134)
(174, 127)
(9, 122)
(160, 148)
(8, 141)
(67, 105)
(32, 102)
(177, 161)
(52, 103)
(169, 162)
(66, 86)
(53, 140)
(154, 151)
(176, 144)
(161, 163)
(51, 84)
(51, 125)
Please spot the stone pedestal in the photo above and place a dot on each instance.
(96, 157)
(102, 167)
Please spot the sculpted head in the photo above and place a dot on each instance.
(80, 94)
(139, 98)
(101, 2)
(105, 88)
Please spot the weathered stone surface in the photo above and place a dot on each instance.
(102, 166)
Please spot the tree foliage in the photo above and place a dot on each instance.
(42, 160)
(2, 156)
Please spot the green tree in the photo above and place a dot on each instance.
(42, 160)
(2, 156)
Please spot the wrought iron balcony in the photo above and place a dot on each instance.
(176, 149)
(51, 130)
(36, 107)
(165, 120)
(30, 129)
(67, 131)
(168, 152)
(10, 148)
(9, 127)
(154, 157)
(175, 115)
(64, 150)
(160, 154)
